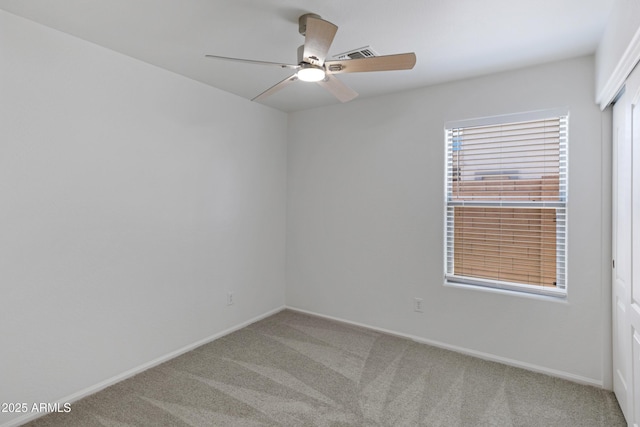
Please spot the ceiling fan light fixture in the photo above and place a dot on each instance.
(312, 67)
(311, 73)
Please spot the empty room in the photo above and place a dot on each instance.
(319, 213)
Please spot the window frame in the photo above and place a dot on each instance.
(562, 205)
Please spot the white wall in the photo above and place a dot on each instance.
(365, 221)
(131, 201)
(619, 49)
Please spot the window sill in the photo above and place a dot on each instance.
(558, 298)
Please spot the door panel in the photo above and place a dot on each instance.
(633, 314)
(626, 250)
(636, 377)
(621, 254)
(634, 86)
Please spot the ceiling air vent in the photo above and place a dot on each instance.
(363, 52)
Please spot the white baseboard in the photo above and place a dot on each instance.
(131, 372)
(479, 354)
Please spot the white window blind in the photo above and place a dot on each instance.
(506, 195)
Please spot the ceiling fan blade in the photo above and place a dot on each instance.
(317, 40)
(276, 87)
(340, 90)
(251, 61)
(401, 61)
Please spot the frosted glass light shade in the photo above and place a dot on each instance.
(311, 74)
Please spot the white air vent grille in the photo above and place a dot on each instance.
(363, 52)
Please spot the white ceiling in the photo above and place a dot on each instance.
(452, 39)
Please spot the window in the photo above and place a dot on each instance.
(506, 202)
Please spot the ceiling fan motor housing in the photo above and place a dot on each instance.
(302, 22)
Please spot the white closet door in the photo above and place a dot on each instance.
(626, 250)
(634, 292)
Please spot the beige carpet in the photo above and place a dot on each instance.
(297, 370)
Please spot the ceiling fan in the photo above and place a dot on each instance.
(312, 66)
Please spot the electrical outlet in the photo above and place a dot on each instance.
(229, 298)
(417, 305)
